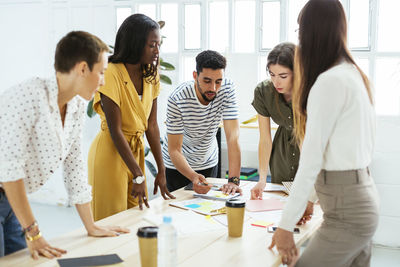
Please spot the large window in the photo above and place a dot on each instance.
(388, 22)
(359, 24)
(122, 13)
(244, 26)
(192, 26)
(218, 26)
(254, 27)
(387, 91)
(169, 13)
(271, 24)
(293, 11)
(147, 9)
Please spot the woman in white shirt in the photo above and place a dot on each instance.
(41, 127)
(335, 123)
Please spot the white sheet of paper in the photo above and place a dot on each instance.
(200, 205)
(223, 218)
(288, 186)
(268, 216)
(186, 222)
(275, 196)
(274, 187)
(216, 195)
(246, 194)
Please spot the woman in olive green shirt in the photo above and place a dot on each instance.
(273, 100)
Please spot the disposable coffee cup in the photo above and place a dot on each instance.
(148, 246)
(235, 211)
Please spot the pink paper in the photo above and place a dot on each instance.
(264, 205)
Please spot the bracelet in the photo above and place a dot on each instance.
(234, 180)
(33, 238)
(30, 227)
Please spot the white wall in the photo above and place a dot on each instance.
(29, 31)
(384, 169)
(24, 42)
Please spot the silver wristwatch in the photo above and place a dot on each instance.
(138, 179)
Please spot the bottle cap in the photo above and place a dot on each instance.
(167, 219)
(235, 203)
(147, 232)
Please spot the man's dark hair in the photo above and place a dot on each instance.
(78, 46)
(210, 60)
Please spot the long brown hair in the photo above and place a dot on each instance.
(282, 54)
(322, 44)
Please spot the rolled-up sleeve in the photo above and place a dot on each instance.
(260, 100)
(75, 177)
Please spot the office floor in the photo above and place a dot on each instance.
(56, 220)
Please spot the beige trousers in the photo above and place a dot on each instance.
(350, 203)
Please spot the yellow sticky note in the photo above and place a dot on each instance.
(209, 219)
(206, 203)
(221, 195)
(205, 209)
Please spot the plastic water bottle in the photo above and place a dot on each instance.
(167, 244)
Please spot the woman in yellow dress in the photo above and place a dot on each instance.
(127, 105)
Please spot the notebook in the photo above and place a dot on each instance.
(288, 186)
(269, 187)
(216, 195)
(90, 261)
(202, 206)
(264, 205)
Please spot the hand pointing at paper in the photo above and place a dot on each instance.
(257, 190)
(200, 184)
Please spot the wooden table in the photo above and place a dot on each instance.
(214, 248)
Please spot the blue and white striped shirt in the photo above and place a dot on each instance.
(198, 123)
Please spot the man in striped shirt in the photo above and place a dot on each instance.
(194, 112)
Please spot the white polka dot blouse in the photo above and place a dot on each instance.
(34, 143)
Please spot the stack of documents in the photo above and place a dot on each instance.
(216, 195)
(199, 205)
(187, 222)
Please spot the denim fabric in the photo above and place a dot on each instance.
(11, 237)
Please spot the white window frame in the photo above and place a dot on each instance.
(371, 53)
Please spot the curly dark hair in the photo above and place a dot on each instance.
(210, 59)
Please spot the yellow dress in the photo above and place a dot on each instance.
(109, 176)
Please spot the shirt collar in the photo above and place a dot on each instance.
(52, 88)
